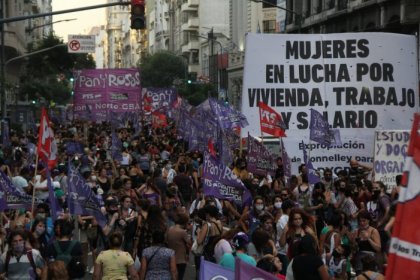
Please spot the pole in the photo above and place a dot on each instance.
(12, 19)
(2, 74)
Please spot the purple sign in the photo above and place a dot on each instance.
(159, 97)
(81, 199)
(220, 182)
(259, 160)
(209, 270)
(14, 198)
(245, 271)
(100, 91)
(313, 178)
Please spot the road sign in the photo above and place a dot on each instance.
(81, 43)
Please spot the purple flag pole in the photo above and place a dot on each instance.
(312, 177)
(55, 208)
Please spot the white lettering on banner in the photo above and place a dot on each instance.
(352, 79)
(109, 80)
(405, 249)
(219, 171)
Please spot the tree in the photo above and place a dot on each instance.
(162, 69)
(49, 74)
(165, 69)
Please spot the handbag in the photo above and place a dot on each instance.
(197, 249)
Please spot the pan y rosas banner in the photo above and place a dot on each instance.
(362, 82)
(100, 91)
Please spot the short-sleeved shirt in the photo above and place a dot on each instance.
(21, 269)
(228, 260)
(114, 263)
(158, 262)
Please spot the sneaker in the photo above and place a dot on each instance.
(91, 270)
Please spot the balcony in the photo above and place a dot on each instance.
(191, 25)
(190, 5)
(190, 46)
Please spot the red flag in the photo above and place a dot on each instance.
(211, 148)
(404, 250)
(47, 147)
(147, 104)
(271, 121)
(159, 119)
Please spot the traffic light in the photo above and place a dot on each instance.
(138, 19)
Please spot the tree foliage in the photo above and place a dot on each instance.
(48, 73)
(162, 69)
(165, 69)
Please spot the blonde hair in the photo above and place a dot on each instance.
(57, 270)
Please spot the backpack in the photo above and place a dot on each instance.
(66, 255)
(75, 267)
(30, 258)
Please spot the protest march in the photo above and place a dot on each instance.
(136, 183)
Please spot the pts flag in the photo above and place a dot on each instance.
(47, 147)
(271, 122)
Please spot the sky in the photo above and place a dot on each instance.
(85, 20)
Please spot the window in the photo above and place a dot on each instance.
(269, 3)
(269, 26)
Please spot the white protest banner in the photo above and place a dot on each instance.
(390, 153)
(362, 82)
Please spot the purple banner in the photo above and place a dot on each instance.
(259, 160)
(159, 97)
(14, 198)
(6, 134)
(100, 91)
(81, 199)
(209, 270)
(244, 271)
(226, 115)
(221, 182)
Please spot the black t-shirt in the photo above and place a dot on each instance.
(75, 252)
(305, 267)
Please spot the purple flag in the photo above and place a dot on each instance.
(55, 206)
(245, 271)
(5, 134)
(312, 177)
(220, 182)
(209, 270)
(227, 116)
(287, 166)
(116, 147)
(259, 160)
(73, 147)
(319, 128)
(81, 199)
(321, 132)
(14, 198)
(161, 98)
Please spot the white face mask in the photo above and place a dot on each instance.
(259, 207)
(278, 204)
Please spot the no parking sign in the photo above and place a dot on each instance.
(81, 44)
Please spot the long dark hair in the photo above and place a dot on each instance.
(307, 220)
(155, 219)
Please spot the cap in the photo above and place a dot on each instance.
(240, 240)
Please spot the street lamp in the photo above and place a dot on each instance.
(29, 30)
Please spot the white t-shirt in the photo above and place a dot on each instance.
(221, 248)
(38, 185)
(281, 224)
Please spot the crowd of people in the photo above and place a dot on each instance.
(160, 221)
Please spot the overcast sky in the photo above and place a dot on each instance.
(85, 19)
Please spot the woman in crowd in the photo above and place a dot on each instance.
(262, 244)
(114, 263)
(158, 262)
(41, 236)
(178, 240)
(210, 232)
(370, 269)
(151, 192)
(299, 225)
(155, 222)
(367, 239)
(308, 265)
